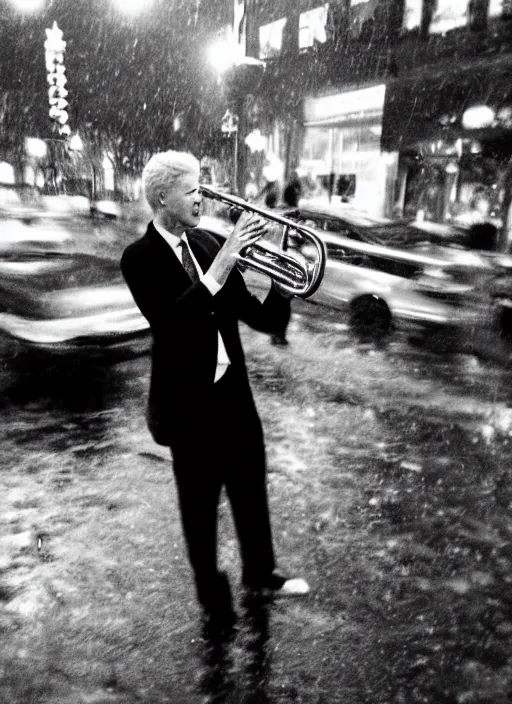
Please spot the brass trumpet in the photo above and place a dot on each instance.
(299, 275)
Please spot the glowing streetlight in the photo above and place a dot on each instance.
(256, 141)
(35, 147)
(28, 6)
(75, 143)
(221, 55)
(225, 53)
(478, 117)
(132, 7)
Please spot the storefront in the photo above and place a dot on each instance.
(341, 152)
(453, 133)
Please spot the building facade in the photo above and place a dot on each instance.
(401, 107)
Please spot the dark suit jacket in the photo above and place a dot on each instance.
(184, 318)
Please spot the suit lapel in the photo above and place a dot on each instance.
(164, 251)
(166, 257)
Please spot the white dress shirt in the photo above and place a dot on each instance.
(207, 280)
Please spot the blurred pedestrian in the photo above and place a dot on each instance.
(270, 194)
(291, 196)
(482, 229)
(200, 401)
(272, 174)
(292, 191)
(251, 188)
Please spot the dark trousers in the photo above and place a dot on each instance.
(222, 446)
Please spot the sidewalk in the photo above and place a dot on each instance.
(388, 496)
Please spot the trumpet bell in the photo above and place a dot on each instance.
(291, 254)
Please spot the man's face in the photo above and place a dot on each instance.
(180, 204)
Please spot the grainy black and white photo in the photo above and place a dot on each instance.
(255, 351)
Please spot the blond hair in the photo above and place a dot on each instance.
(164, 169)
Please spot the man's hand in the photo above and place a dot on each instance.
(249, 228)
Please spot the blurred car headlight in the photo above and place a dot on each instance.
(436, 272)
(439, 280)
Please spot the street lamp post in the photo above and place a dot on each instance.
(229, 61)
(230, 129)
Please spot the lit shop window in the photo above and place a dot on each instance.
(497, 8)
(412, 14)
(312, 26)
(368, 19)
(271, 38)
(449, 14)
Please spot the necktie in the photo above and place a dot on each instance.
(188, 262)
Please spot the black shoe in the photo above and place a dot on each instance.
(279, 340)
(219, 625)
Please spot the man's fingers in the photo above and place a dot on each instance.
(249, 230)
(256, 234)
(250, 239)
(252, 220)
(248, 218)
(256, 225)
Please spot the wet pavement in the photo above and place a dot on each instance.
(391, 492)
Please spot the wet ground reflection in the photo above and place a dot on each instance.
(386, 494)
(238, 670)
(62, 404)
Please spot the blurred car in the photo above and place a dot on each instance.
(501, 297)
(19, 200)
(58, 300)
(392, 273)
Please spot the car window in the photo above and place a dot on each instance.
(329, 224)
(338, 227)
(347, 256)
(313, 220)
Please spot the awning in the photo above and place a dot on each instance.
(430, 104)
(347, 108)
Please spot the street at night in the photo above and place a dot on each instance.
(389, 489)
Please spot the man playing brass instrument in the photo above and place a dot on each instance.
(200, 401)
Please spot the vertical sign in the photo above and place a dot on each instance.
(54, 53)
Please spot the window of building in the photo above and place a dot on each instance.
(312, 26)
(412, 14)
(361, 17)
(341, 152)
(449, 14)
(271, 38)
(495, 8)
(371, 20)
